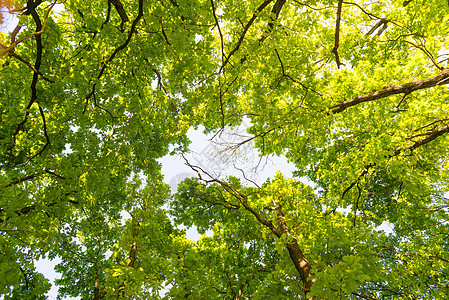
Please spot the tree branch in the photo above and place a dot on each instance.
(406, 88)
(245, 30)
(430, 137)
(163, 31)
(121, 11)
(241, 197)
(39, 30)
(302, 265)
(382, 24)
(364, 172)
(30, 66)
(44, 124)
(276, 10)
(108, 15)
(337, 34)
(22, 179)
(117, 50)
(219, 31)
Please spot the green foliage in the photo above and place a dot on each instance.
(93, 93)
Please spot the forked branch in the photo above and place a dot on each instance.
(298, 258)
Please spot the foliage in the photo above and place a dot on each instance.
(352, 93)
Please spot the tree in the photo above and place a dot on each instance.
(354, 94)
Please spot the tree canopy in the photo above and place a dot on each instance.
(354, 94)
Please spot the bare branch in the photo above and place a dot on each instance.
(363, 10)
(423, 48)
(241, 197)
(246, 178)
(382, 24)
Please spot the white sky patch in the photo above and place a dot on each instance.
(385, 227)
(222, 156)
(198, 38)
